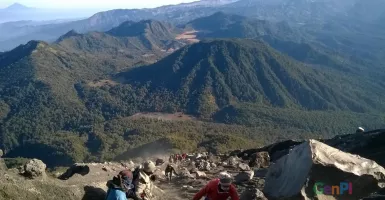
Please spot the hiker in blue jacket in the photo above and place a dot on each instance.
(120, 185)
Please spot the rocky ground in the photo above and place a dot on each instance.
(284, 170)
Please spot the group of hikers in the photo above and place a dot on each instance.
(139, 185)
(174, 158)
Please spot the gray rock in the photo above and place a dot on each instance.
(131, 163)
(34, 168)
(235, 152)
(244, 176)
(2, 164)
(200, 174)
(272, 149)
(313, 162)
(253, 194)
(194, 170)
(260, 160)
(368, 144)
(232, 161)
(184, 173)
(206, 166)
(159, 162)
(261, 173)
(160, 174)
(243, 167)
(81, 169)
(213, 165)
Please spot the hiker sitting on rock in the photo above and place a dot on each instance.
(120, 185)
(169, 171)
(219, 189)
(143, 181)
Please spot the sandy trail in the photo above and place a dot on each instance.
(190, 36)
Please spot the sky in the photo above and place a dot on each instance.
(92, 4)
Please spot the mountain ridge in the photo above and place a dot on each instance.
(296, 13)
(258, 74)
(17, 7)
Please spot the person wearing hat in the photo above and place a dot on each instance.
(219, 189)
(120, 185)
(143, 181)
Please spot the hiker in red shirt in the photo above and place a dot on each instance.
(177, 157)
(218, 189)
(184, 155)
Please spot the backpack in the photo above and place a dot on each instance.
(135, 177)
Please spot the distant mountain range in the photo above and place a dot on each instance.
(294, 12)
(19, 12)
(17, 7)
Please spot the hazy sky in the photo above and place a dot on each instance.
(91, 4)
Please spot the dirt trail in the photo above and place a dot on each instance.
(101, 83)
(164, 116)
(190, 36)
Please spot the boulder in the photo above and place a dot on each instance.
(260, 173)
(232, 161)
(2, 163)
(213, 165)
(34, 168)
(200, 164)
(75, 169)
(244, 176)
(159, 194)
(243, 167)
(200, 174)
(212, 158)
(260, 160)
(275, 150)
(252, 194)
(206, 166)
(131, 163)
(184, 173)
(187, 187)
(313, 165)
(203, 165)
(367, 144)
(245, 157)
(159, 162)
(236, 152)
(194, 170)
(191, 165)
(160, 174)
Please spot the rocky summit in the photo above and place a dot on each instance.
(305, 172)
